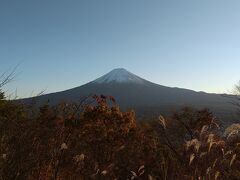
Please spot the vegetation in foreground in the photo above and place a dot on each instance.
(92, 140)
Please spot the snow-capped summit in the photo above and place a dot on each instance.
(120, 75)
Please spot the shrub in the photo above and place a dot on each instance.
(96, 140)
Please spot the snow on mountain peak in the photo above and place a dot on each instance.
(120, 75)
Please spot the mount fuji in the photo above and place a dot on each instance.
(134, 92)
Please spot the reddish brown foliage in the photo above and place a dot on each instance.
(98, 141)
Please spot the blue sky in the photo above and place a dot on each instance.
(63, 44)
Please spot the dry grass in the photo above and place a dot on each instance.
(95, 141)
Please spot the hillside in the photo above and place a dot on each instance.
(134, 92)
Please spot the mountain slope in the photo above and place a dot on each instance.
(131, 91)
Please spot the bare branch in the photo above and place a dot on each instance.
(6, 77)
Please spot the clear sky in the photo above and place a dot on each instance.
(61, 44)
